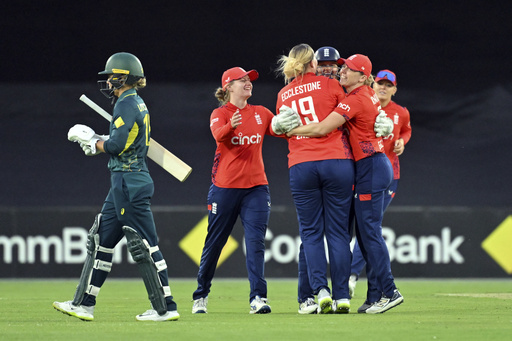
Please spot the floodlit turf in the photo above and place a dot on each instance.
(432, 310)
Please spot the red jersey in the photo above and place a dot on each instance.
(238, 161)
(401, 119)
(360, 108)
(314, 98)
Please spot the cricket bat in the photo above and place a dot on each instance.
(156, 152)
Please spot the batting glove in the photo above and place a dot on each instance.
(86, 137)
(87, 148)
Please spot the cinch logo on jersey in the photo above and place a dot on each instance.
(344, 106)
(241, 139)
(301, 89)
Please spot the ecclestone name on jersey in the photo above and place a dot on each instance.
(300, 90)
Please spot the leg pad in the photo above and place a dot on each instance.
(139, 249)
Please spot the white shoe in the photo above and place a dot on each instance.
(341, 306)
(385, 303)
(199, 306)
(309, 306)
(152, 315)
(324, 302)
(81, 311)
(352, 282)
(259, 306)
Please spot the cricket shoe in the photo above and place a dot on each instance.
(324, 302)
(352, 282)
(259, 306)
(199, 306)
(341, 306)
(309, 306)
(152, 315)
(82, 312)
(385, 303)
(362, 309)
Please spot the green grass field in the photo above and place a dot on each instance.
(432, 310)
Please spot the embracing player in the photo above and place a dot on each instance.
(373, 176)
(321, 181)
(394, 145)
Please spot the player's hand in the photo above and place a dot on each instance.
(87, 147)
(383, 125)
(399, 146)
(236, 119)
(286, 120)
(88, 150)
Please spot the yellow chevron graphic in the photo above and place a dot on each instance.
(497, 245)
(192, 244)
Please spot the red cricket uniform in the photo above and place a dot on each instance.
(373, 177)
(238, 159)
(321, 181)
(402, 129)
(360, 114)
(314, 98)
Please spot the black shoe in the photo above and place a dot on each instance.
(362, 309)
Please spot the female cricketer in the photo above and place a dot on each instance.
(239, 185)
(373, 176)
(394, 145)
(321, 181)
(126, 210)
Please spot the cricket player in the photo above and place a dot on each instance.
(239, 184)
(373, 176)
(321, 181)
(328, 66)
(385, 86)
(126, 210)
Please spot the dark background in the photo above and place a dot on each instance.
(452, 59)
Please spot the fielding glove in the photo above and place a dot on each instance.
(383, 125)
(286, 120)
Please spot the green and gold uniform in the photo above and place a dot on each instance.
(129, 199)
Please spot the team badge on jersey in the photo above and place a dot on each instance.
(258, 118)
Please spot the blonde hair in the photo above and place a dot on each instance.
(140, 84)
(296, 63)
(369, 80)
(222, 96)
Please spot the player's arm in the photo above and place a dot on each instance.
(221, 128)
(99, 146)
(330, 123)
(406, 130)
(405, 134)
(121, 127)
(269, 116)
